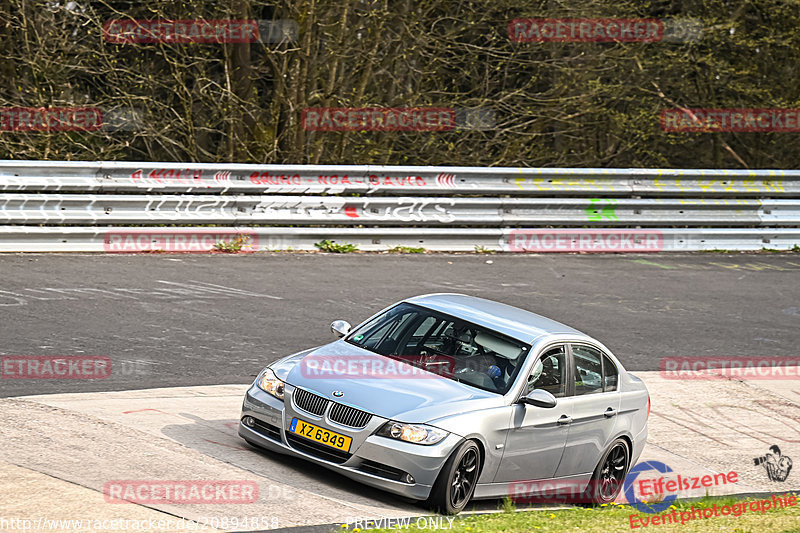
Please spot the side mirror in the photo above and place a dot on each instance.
(539, 398)
(340, 328)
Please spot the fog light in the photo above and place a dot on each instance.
(249, 421)
(409, 478)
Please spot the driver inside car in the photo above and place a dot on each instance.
(493, 363)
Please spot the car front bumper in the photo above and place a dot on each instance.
(380, 462)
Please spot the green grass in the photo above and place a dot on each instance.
(406, 250)
(615, 517)
(334, 248)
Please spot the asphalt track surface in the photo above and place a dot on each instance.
(173, 320)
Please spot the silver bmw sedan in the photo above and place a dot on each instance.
(447, 398)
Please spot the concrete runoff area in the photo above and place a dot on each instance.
(62, 449)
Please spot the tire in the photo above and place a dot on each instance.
(609, 476)
(456, 482)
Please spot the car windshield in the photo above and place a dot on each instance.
(445, 345)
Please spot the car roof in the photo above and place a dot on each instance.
(506, 319)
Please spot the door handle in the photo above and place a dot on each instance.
(610, 412)
(564, 420)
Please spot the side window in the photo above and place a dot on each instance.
(588, 370)
(550, 373)
(610, 374)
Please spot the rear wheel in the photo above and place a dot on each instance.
(609, 476)
(456, 482)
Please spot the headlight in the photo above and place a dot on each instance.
(271, 384)
(416, 433)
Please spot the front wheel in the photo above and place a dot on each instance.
(609, 476)
(456, 482)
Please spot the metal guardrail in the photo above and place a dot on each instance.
(99, 206)
(310, 210)
(198, 178)
(101, 239)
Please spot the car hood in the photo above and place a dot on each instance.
(418, 398)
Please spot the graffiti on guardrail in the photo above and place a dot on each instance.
(410, 210)
(374, 180)
(729, 186)
(400, 210)
(267, 178)
(300, 208)
(596, 213)
(610, 184)
(163, 174)
(623, 184)
(561, 181)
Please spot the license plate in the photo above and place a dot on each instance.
(321, 435)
